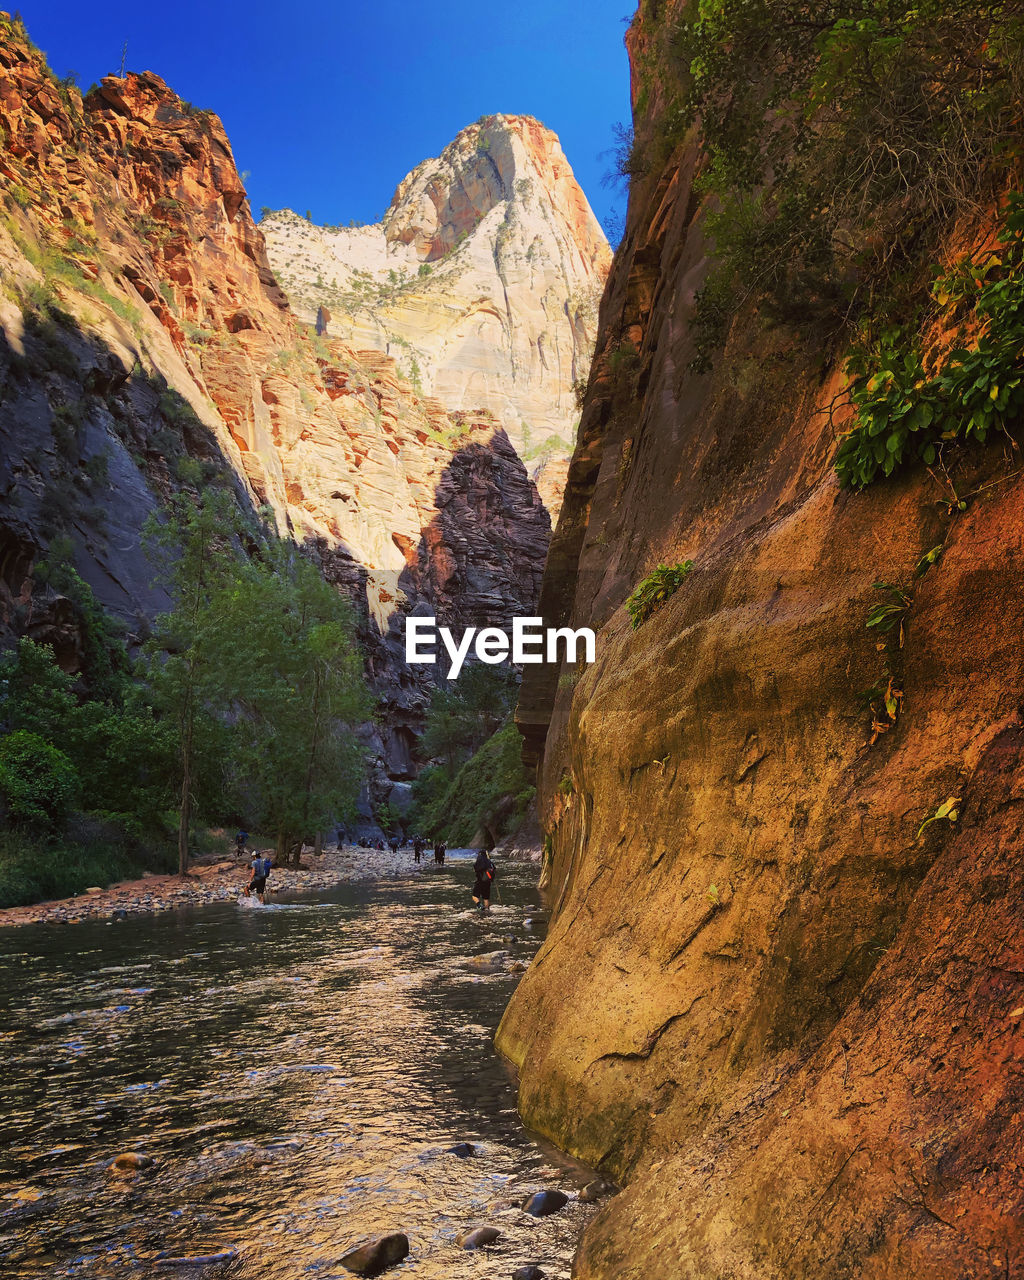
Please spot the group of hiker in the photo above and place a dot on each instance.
(484, 869)
(419, 843)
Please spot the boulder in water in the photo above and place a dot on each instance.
(373, 1258)
(478, 1238)
(541, 1203)
(200, 1260)
(491, 962)
(529, 1272)
(593, 1191)
(129, 1162)
(462, 1150)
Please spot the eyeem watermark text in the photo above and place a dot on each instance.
(530, 641)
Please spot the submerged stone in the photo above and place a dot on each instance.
(371, 1259)
(593, 1191)
(478, 1238)
(541, 1203)
(130, 1162)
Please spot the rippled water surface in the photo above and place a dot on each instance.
(297, 1073)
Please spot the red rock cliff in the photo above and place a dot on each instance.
(790, 1025)
(143, 329)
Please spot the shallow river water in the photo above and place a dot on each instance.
(297, 1073)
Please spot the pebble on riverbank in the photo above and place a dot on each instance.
(222, 881)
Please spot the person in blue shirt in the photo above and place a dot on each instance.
(260, 868)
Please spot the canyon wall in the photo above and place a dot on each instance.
(789, 1021)
(482, 280)
(147, 347)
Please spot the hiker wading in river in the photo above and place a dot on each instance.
(484, 869)
(260, 868)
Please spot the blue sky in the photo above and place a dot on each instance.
(329, 104)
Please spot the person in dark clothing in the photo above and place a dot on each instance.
(393, 842)
(417, 847)
(440, 849)
(484, 869)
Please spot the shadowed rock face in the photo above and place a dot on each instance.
(483, 281)
(126, 212)
(790, 1025)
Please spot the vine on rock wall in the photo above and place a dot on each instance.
(904, 409)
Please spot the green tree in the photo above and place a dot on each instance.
(35, 694)
(465, 712)
(193, 547)
(38, 783)
(295, 683)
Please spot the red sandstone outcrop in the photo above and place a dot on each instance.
(143, 329)
(482, 280)
(790, 1024)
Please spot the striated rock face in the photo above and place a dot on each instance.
(482, 280)
(144, 332)
(791, 1025)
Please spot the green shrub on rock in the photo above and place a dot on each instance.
(652, 592)
(905, 413)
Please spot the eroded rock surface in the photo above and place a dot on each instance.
(482, 281)
(795, 1025)
(147, 346)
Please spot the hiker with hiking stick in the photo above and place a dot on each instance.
(484, 869)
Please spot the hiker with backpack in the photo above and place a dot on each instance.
(417, 847)
(260, 868)
(484, 869)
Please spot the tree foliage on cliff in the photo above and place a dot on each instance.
(488, 795)
(908, 407)
(840, 140)
(465, 712)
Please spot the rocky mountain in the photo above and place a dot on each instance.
(781, 1011)
(482, 281)
(146, 346)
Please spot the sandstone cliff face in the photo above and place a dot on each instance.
(482, 280)
(791, 1026)
(144, 330)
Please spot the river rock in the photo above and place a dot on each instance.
(371, 1259)
(541, 1203)
(490, 962)
(200, 1260)
(129, 1162)
(462, 1150)
(478, 1238)
(593, 1191)
(530, 1272)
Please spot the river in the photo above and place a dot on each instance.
(297, 1073)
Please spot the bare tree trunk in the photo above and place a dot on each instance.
(185, 809)
(184, 817)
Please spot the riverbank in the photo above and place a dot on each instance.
(211, 882)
